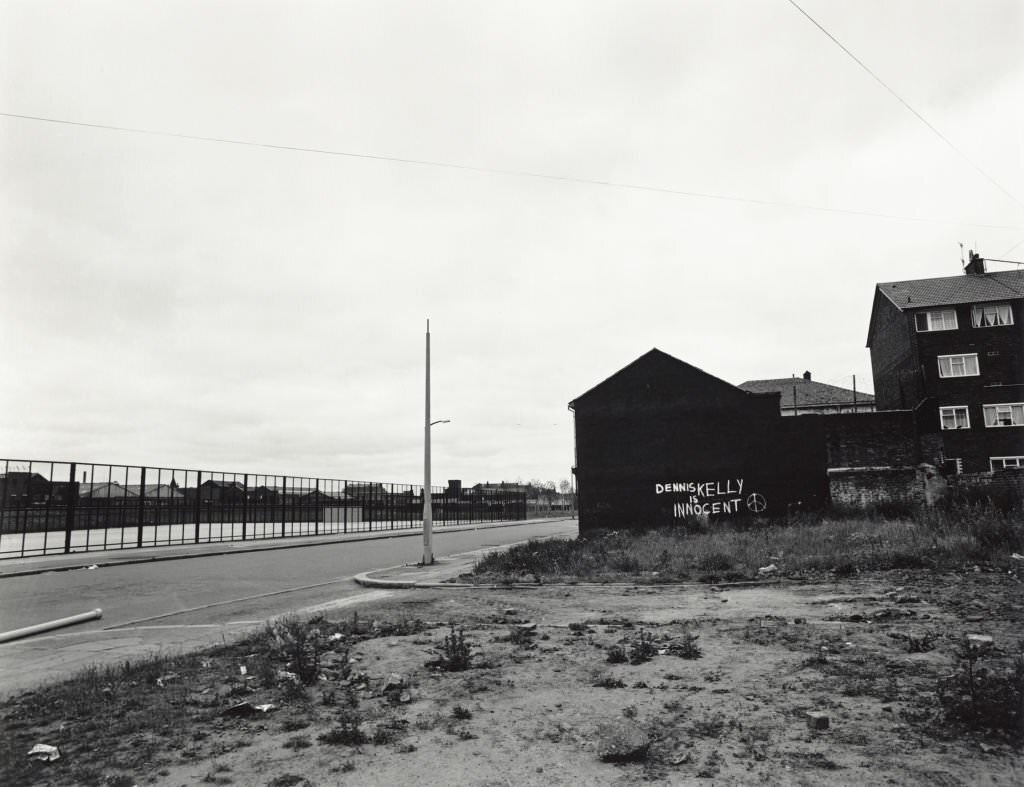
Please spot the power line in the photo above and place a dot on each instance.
(509, 172)
(896, 95)
(1014, 246)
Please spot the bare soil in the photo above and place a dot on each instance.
(535, 706)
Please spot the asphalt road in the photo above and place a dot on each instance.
(181, 604)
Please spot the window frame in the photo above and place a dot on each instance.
(928, 315)
(964, 356)
(952, 410)
(985, 408)
(978, 311)
(1019, 460)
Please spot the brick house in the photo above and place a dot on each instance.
(804, 396)
(952, 350)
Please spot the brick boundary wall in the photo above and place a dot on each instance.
(1000, 486)
(862, 487)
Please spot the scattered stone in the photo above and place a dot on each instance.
(907, 598)
(405, 698)
(44, 752)
(526, 626)
(767, 571)
(622, 741)
(799, 621)
(980, 642)
(395, 682)
(246, 709)
(816, 720)
(511, 611)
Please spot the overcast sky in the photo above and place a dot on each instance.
(184, 303)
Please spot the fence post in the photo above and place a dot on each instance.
(142, 507)
(284, 500)
(69, 519)
(199, 501)
(316, 503)
(245, 504)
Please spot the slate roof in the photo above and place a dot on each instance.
(809, 393)
(951, 290)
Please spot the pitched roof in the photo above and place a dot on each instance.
(104, 489)
(664, 360)
(951, 290)
(163, 491)
(809, 393)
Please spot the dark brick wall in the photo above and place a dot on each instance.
(894, 367)
(906, 374)
(662, 422)
(1000, 352)
(871, 439)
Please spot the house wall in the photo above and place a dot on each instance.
(894, 367)
(1000, 352)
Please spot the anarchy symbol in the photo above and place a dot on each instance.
(756, 502)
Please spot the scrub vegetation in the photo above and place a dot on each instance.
(902, 677)
(803, 546)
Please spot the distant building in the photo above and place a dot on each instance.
(22, 488)
(952, 350)
(804, 396)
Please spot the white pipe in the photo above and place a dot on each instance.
(39, 628)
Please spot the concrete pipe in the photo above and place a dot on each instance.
(49, 625)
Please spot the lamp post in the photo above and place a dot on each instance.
(428, 513)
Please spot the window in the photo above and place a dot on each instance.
(951, 466)
(1005, 462)
(944, 320)
(958, 365)
(954, 418)
(991, 314)
(1004, 414)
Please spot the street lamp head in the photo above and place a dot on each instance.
(444, 421)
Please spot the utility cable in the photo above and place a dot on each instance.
(899, 98)
(510, 172)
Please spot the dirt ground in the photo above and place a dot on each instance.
(546, 706)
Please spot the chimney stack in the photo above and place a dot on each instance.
(975, 264)
(807, 376)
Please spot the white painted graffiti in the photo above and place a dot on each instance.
(711, 497)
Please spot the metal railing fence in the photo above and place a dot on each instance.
(50, 507)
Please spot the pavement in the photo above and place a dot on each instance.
(26, 566)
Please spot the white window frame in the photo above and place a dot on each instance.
(957, 463)
(964, 362)
(1018, 461)
(1003, 315)
(953, 411)
(937, 320)
(1015, 410)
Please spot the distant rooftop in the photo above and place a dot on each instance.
(809, 393)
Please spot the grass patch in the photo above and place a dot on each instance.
(802, 545)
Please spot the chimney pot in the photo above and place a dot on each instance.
(975, 264)
(807, 375)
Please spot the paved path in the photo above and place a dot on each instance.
(178, 604)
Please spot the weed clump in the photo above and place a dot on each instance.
(642, 649)
(982, 695)
(455, 654)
